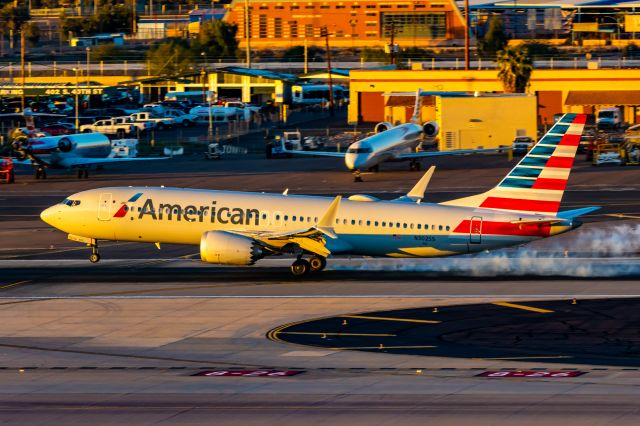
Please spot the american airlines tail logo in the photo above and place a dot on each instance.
(122, 212)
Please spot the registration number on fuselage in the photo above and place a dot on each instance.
(426, 238)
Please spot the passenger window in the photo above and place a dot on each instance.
(315, 219)
(277, 217)
(440, 228)
(448, 228)
(353, 221)
(286, 217)
(384, 224)
(411, 226)
(397, 224)
(404, 225)
(344, 221)
(375, 223)
(368, 222)
(337, 221)
(293, 218)
(359, 222)
(433, 227)
(419, 226)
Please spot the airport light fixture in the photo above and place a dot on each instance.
(77, 102)
(88, 72)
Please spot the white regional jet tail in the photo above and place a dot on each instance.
(537, 183)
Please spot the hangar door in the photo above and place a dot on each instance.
(371, 105)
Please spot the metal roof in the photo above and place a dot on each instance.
(251, 72)
(561, 4)
(604, 97)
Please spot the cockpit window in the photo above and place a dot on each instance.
(362, 150)
(71, 203)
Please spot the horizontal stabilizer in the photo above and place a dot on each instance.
(570, 214)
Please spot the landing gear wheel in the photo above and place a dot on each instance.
(94, 258)
(83, 173)
(300, 267)
(41, 173)
(415, 166)
(357, 177)
(317, 263)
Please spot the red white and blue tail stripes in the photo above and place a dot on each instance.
(537, 183)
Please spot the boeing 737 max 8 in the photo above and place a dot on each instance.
(239, 228)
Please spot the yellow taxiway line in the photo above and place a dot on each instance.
(391, 319)
(14, 284)
(335, 334)
(523, 307)
(384, 347)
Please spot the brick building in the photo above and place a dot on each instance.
(282, 24)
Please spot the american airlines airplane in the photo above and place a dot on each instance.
(78, 151)
(390, 143)
(239, 228)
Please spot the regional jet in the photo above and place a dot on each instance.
(240, 228)
(390, 143)
(78, 151)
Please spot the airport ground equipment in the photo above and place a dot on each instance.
(214, 152)
(141, 126)
(7, 174)
(161, 123)
(607, 153)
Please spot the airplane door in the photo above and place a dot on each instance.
(104, 206)
(475, 230)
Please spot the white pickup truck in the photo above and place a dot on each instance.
(109, 127)
(160, 122)
(180, 118)
(141, 126)
(247, 111)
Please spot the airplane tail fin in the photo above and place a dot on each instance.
(537, 183)
(415, 118)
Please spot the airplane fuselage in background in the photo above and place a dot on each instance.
(372, 228)
(384, 146)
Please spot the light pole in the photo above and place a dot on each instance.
(88, 73)
(247, 31)
(325, 33)
(204, 63)
(77, 103)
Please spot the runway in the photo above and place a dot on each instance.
(120, 341)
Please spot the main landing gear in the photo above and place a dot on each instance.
(415, 166)
(83, 173)
(302, 266)
(94, 257)
(41, 173)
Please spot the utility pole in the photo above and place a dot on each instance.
(134, 6)
(326, 38)
(466, 35)
(22, 65)
(306, 56)
(247, 31)
(77, 101)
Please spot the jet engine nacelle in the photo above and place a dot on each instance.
(65, 145)
(382, 127)
(430, 129)
(225, 248)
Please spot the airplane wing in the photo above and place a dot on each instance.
(423, 154)
(69, 162)
(308, 239)
(317, 153)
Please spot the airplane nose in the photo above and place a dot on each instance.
(350, 161)
(49, 215)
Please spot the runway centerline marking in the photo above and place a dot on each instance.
(523, 307)
(391, 319)
(336, 334)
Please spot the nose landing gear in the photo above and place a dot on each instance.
(357, 176)
(94, 257)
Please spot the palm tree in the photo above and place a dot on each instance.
(515, 67)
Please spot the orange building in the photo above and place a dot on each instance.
(282, 24)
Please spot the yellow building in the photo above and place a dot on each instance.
(556, 91)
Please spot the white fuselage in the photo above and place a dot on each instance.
(384, 146)
(374, 228)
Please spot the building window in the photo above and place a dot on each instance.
(371, 14)
(308, 30)
(415, 25)
(355, 6)
(371, 6)
(263, 7)
(339, 6)
(294, 7)
(371, 34)
(309, 6)
(293, 27)
(277, 27)
(371, 24)
(324, 6)
(262, 26)
(279, 7)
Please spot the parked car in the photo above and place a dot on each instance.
(58, 129)
(522, 144)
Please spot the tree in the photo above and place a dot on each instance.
(110, 18)
(495, 38)
(171, 58)
(13, 18)
(515, 68)
(217, 39)
(32, 33)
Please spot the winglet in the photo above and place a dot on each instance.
(417, 192)
(325, 224)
